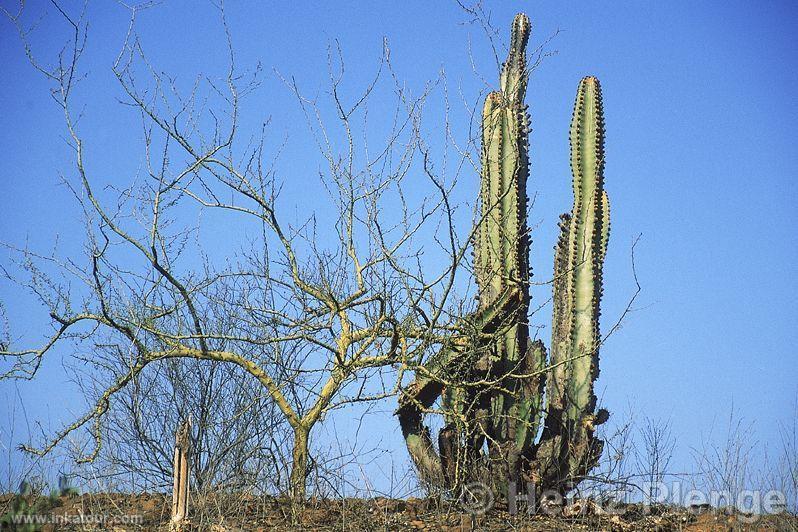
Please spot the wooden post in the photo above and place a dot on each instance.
(180, 473)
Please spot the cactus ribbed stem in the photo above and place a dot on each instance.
(586, 244)
(495, 385)
(568, 449)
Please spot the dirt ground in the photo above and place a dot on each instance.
(150, 511)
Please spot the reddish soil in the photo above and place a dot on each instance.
(148, 511)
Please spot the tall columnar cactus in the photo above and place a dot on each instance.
(568, 449)
(493, 376)
(501, 257)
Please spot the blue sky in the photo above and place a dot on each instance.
(700, 111)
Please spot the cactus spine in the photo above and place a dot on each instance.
(493, 377)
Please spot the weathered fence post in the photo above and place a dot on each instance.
(180, 473)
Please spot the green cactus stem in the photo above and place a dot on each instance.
(569, 448)
(492, 378)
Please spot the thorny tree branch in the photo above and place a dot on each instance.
(339, 312)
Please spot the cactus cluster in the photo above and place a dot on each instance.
(498, 387)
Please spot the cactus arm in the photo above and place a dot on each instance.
(568, 449)
(417, 436)
(530, 402)
(501, 247)
(561, 319)
(450, 363)
(605, 226)
(490, 249)
(586, 248)
(513, 77)
(415, 400)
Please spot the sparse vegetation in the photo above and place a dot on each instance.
(363, 303)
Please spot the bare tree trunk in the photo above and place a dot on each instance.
(181, 472)
(299, 467)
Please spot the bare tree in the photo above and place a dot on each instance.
(788, 464)
(725, 468)
(318, 318)
(654, 459)
(782, 471)
(238, 439)
(614, 478)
